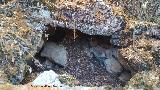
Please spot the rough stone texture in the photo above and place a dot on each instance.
(23, 21)
(55, 53)
(3, 78)
(143, 10)
(49, 78)
(121, 39)
(149, 31)
(145, 80)
(144, 50)
(29, 87)
(94, 18)
(18, 41)
(108, 59)
(111, 62)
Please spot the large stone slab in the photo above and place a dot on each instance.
(93, 18)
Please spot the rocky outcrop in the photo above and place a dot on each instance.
(144, 50)
(24, 22)
(93, 18)
(18, 42)
(144, 80)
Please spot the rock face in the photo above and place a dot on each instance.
(18, 42)
(144, 50)
(147, 10)
(144, 80)
(108, 59)
(121, 39)
(150, 31)
(56, 53)
(22, 23)
(93, 18)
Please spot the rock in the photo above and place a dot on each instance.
(93, 18)
(48, 64)
(156, 51)
(18, 44)
(108, 59)
(98, 51)
(49, 78)
(17, 73)
(138, 60)
(121, 39)
(125, 76)
(40, 45)
(68, 79)
(3, 78)
(146, 10)
(144, 80)
(29, 78)
(151, 31)
(55, 53)
(99, 54)
(143, 53)
(111, 61)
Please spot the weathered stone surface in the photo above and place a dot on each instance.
(143, 10)
(108, 59)
(151, 31)
(40, 45)
(94, 18)
(121, 39)
(144, 80)
(144, 50)
(56, 53)
(49, 78)
(21, 32)
(18, 42)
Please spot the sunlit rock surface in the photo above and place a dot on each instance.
(49, 78)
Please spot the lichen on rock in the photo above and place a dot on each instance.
(18, 43)
(144, 80)
(93, 18)
(141, 53)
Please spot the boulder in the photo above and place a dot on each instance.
(49, 78)
(111, 62)
(55, 53)
(108, 59)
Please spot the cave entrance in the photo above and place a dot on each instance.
(85, 55)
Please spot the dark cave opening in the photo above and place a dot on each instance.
(86, 58)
